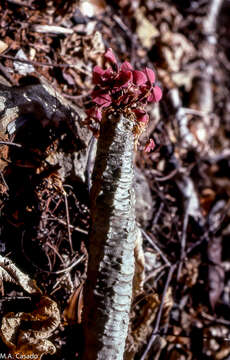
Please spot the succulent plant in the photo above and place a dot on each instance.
(118, 106)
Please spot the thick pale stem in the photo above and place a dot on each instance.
(108, 290)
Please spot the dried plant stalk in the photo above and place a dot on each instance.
(111, 254)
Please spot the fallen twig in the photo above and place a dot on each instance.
(75, 228)
(149, 239)
(10, 143)
(68, 222)
(159, 314)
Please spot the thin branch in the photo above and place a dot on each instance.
(159, 314)
(80, 259)
(10, 143)
(167, 177)
(149, 239)
(37, 63)
(21, 3)
(4, 180)
(183, 241)
(7, 75)
(55, 250)
(162, 334)
(68, 222)
(70, 267)
(209, 24)
(75, 228)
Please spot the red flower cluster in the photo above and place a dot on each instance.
(123, 87)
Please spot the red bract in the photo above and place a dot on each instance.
(155, 94)
(139, 78)
(150, 75)
(141, 115)
(101, 77)
(101, 98)
(110, 57)
(123, 88)
(126, 66)
(123, 79)
(149, 146)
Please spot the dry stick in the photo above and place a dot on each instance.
(187, 139)
(148, 238)
(59, 30)
(90, 161)
(167, 177)
(209, 25)
(10, 143)
(55, 251)
(189, 336)
(6, 74)
(37, 63)
(191, 208)
(157, 215)
(185, 183)
(21, 3)
(4, 180)
(68, 222)
(159, 314)
(183, 241)
(75, 228)
(70, 267)
(202, 93)
(80, 259)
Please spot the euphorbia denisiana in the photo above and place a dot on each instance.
(119, 98)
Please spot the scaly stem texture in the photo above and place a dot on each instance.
(108, 291)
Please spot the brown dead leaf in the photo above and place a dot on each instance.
(4, 149)
(10, 272)
(73, 311)
(3, 46)
(190, 272)
(175, 50)
(207, 198)
(140, 332)
(27, 333)
(139, 275)
(223, 353)
(165, 16)
(146, 31)
(93, 48)
(168, 304)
